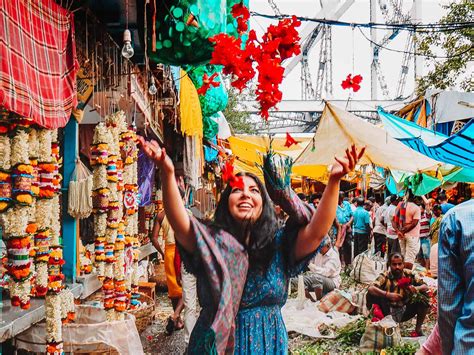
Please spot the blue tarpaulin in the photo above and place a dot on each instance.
(457, 149)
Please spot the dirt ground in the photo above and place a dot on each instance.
(154, 338)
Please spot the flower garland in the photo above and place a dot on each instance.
(129, 152)
(100, 193)
(280, 42)
(19, 265)
(55, 261)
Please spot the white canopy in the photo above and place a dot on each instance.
(339, 129)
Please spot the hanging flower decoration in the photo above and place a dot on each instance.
(290, 140)
(229, 177)
(207, 82)
(280, 42)
(242, 15)
(352, 82)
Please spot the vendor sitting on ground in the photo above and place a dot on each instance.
(393, 291)
(323, 276)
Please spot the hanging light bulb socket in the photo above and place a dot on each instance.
(127, 49)
(152, 89)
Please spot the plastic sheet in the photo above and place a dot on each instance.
(89, 333)
(305, 320)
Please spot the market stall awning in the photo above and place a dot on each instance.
(249, 150)
(38, 61)
(339, 129)
(457, 149)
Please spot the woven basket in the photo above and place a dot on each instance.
(144, 315)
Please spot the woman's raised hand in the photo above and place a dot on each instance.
(347, 163)
(153, 150)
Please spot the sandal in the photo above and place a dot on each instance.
(170, 326)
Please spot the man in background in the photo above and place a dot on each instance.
(455, 286)
(380, 228)
(406, 222)
(324, 275)
(362, 226)
(445, 205)
(392, 237)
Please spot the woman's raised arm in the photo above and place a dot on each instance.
(311, 235)
(174, 207)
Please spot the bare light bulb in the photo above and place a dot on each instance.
(152, 90)
(127, 49)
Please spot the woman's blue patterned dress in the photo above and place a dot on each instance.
(259, 323)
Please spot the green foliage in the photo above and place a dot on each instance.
(404, 348)
(457, 45)
(239, 121)
(352, 332)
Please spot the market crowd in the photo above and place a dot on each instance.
(246, 263)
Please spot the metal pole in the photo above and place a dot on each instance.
(373, 37)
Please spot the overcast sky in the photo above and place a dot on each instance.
(349, 46)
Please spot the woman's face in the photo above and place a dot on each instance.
(246, 204)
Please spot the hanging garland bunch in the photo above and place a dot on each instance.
(129, 153)
(55, 261)
(280, 42)
(18, 241)
(101, 193)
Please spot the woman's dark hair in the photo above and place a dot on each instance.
(261, 246)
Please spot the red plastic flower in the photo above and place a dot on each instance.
(229, 176)
(290, 140)
(280, 42)
(242, 15)
(352, 82)
(404, 282)
(207, 82)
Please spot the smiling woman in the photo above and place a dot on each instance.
(243, 260)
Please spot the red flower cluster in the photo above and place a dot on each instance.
(352, 82)
(377, 313)
(229, 176)
(404, 282)
(280, 42)
(242, 15)
(207, 82)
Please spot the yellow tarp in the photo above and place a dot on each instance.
(189, 107)
(250, 149)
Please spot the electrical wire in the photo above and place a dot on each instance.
(428, 27)
(416, 53)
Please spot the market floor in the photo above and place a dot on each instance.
(154, 338)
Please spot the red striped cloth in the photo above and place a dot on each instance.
(37, 61)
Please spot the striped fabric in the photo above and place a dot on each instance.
(38, 61)
(425, 225)
(457, 149)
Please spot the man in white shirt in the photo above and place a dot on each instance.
(325, 268)
(380, 228)
(392, 237)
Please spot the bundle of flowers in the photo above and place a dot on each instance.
(280, 42)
